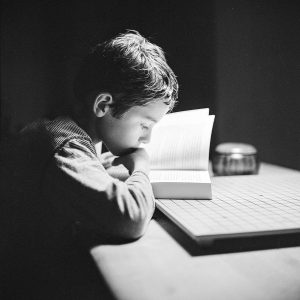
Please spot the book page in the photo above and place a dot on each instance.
(179, 176)
(181, 117)
(181, 184)
(181, 145)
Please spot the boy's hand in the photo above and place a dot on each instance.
(138, 160)
(107, 159)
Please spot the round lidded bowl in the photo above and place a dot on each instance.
(235, 159)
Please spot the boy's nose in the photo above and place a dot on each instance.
(146, 138)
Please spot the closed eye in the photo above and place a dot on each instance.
(144, 127)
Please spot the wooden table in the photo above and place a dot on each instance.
(157, 267)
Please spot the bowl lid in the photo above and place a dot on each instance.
(236, 148)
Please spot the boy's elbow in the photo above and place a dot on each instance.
(136, 209)
(126, 213)
(135, 225)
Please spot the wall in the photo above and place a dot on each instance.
(46, 40)
(239, 57)
(24, 82)
(257, 77)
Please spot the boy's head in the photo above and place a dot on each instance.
(124, 74)
(130, 68)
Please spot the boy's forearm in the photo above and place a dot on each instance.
(115, 209)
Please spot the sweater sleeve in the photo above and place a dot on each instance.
(79, 188)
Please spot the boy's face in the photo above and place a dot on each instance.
(133, 128)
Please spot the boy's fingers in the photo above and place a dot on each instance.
(106, 164)
(106, 159)
(107, 155)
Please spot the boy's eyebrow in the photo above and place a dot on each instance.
(151, 119)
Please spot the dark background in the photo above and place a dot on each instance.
(240, 58)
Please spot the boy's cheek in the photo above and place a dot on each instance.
(124, 141)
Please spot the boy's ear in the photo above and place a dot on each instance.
(102, 103)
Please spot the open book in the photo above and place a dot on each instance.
(179, 155)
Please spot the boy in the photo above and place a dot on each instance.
(56, 196)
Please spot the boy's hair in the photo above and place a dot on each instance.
(130, 68)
